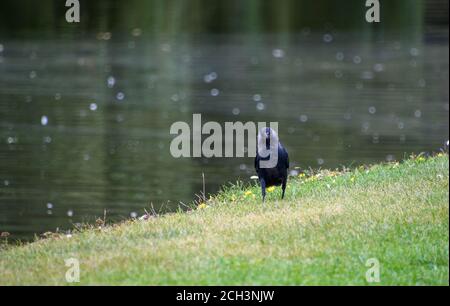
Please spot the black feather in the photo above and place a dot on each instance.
(275, 176)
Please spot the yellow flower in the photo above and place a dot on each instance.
(248, 192)
(301, 175)
(420, 159)
(271, 189)
(202, 206)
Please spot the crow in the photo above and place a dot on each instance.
(274, 174)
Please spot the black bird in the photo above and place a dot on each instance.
(273, 173)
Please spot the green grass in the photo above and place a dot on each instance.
(323, 233)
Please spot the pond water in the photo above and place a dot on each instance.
(85, 123)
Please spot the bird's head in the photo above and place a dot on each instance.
(267, 138)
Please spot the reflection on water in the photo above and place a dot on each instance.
(85, 123)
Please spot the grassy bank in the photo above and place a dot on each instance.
(324, 232)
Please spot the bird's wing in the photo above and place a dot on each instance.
(287, 159)
(284, 156)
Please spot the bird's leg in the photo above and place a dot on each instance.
(283, 187)
(263, 188)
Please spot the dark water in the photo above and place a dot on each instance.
(85, 123)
